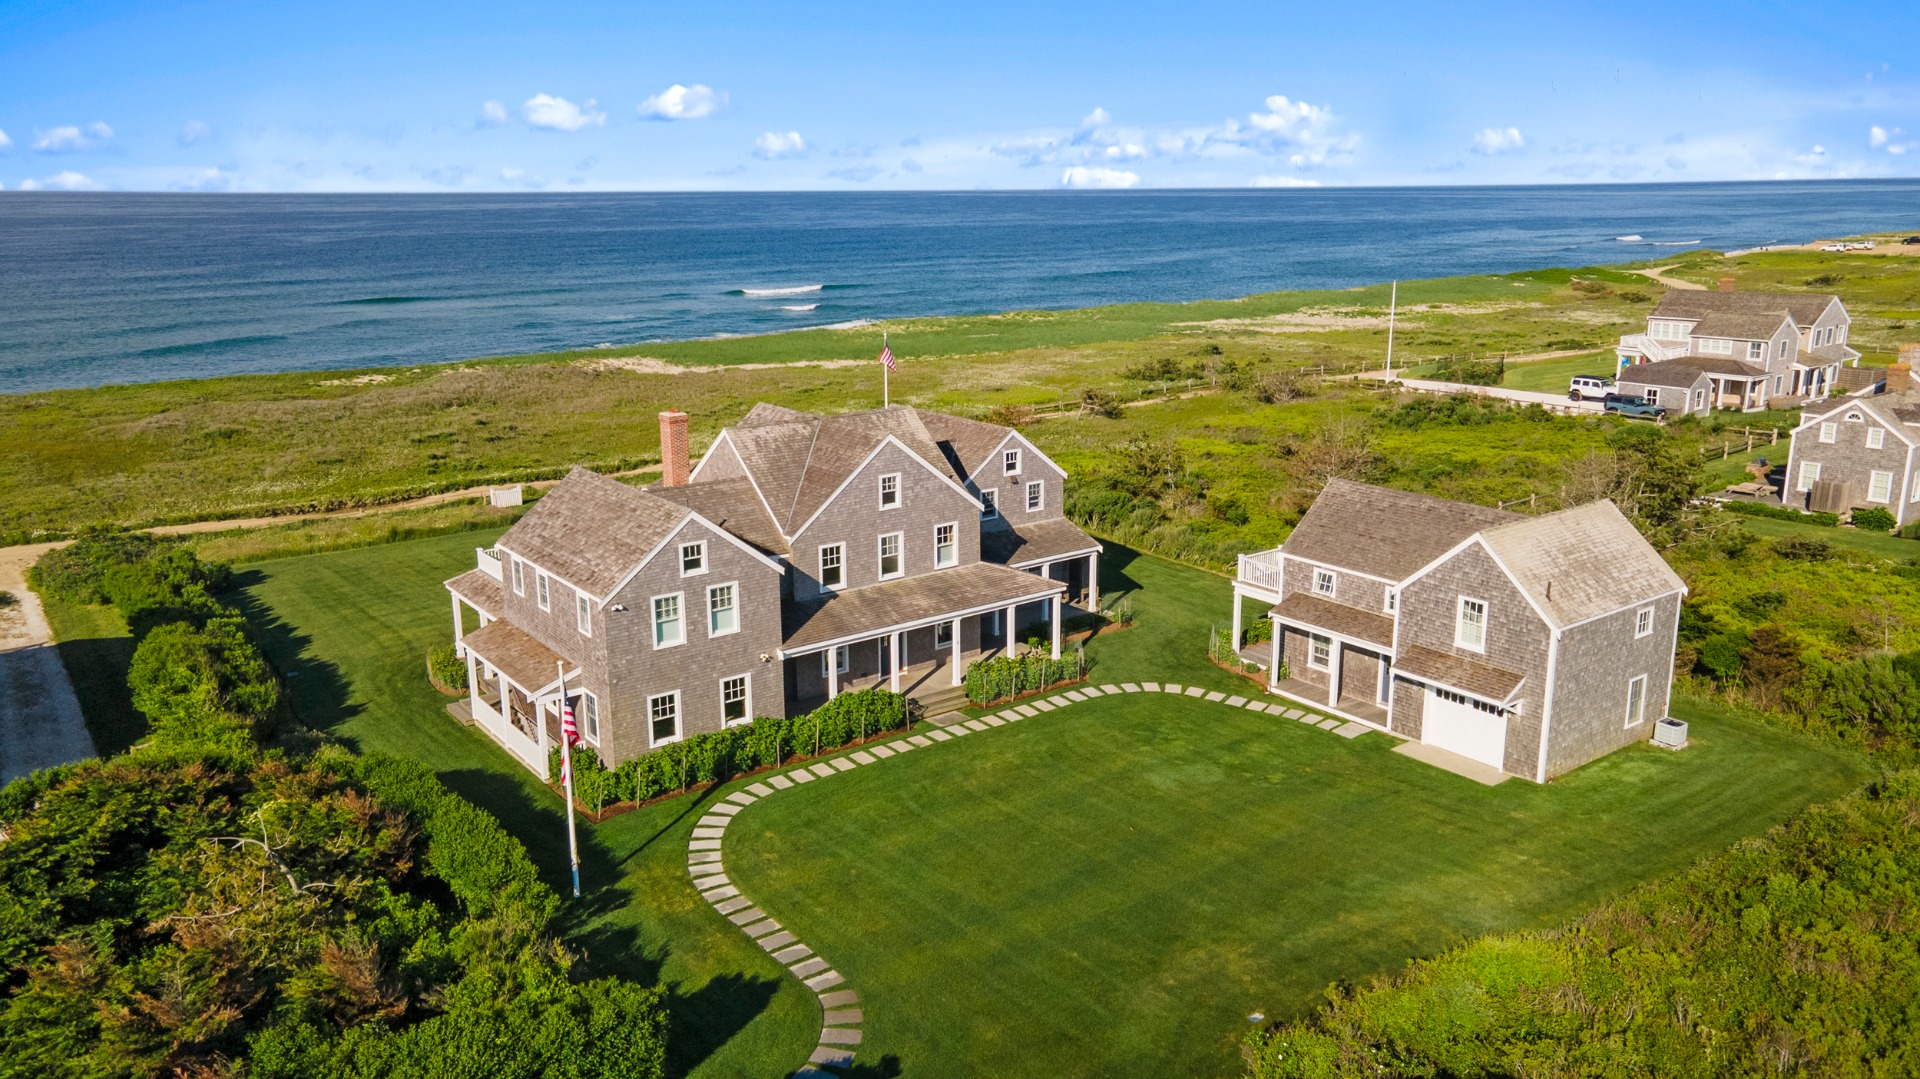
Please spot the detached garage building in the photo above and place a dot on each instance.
(1531, 644)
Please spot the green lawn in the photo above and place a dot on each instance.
(1111, 889)
(1554, 376)
(1879, 544)
(96, 646)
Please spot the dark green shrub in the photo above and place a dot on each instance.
(203, 685)
(76, 573)
(447, 667)
(1720, 655)
(1780, 513)
(1910, 530)
(1260, 629)
(1873, 519)
(1005, 677)
(1803, 548)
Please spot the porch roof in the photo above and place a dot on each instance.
(860, 613)
(1457, 672)
(526, 662)
(1031, 544)
(479, 589)
(1338, 619)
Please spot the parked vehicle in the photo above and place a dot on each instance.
(1585, 386)
(1623, 404)
(1911, 240)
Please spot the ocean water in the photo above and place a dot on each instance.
(113, 288)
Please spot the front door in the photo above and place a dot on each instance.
(1456, 724)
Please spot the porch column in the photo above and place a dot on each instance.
(1008, 614)
(539, 721)
(1333, 676)
(1093, 582)
(459, 631)
(1059, 609)
(899, 638)
(1273, 665)
(833, 672)
(473, 682)
(953, 637)
(1236, 618)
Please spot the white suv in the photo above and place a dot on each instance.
(1585, 386)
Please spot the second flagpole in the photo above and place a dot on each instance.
(886, 372)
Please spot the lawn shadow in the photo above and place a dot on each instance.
(1114, 560)
(316, 690)
(888, 1067)
(97, 668)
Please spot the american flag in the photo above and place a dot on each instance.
(568, 729)
(886, 356)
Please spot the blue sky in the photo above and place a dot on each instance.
(353, 96)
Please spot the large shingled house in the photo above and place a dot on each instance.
(1531, 644)
(803, 555)
(1736, 350)
(1854, 452)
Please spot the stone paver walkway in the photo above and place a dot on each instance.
(841, 1017)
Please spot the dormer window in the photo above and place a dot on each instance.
(1010, 462)
(1667, 331)
(693, 558)
(890, 491)
(1323, 583)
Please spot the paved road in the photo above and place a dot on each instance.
(1557, 402)
(40, 720)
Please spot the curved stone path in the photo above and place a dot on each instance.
(841, 1014)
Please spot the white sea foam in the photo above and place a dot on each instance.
(794, 291)
(798, 306)
(1671, 243)
(1634, 238)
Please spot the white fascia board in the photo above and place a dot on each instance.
(862, 466)
(868, 635)
(1336, 568)
(667, 541)
(1570, 626)
(726, 437)
(1026, 447)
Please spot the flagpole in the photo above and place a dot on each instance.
(886, 382)
(566, 773)
(1393, 307)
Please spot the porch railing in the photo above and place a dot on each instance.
(488, 561)
(1261, 568)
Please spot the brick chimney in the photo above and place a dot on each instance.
(1726, 284)
(674, 463)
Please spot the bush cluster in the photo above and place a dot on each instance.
(1872, 519)
(1005, 677)
(715, 756)
(446, 666)
(1470, 372)
(1781, 513)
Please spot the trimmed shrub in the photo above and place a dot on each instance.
(1005, 677)
(1803, 548)
(1873, 519)
(1260, 629)
(446, 666)
(204, 685)
(1781, 513)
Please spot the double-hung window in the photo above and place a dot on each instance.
(1876, 437)
(1319, 652)
(1470, 625)
(946, 545)
(519, 576)
(989, 504)
(1914, 495)
(842, 660)
(1010, 462)
(890, 491)
(693, 558)
(891, 564)
(583, 614)
(1324, 583)
(1829, 431)
(1809, 475)
(540, 589)
(943, 634)
(669, 626)
(733, 701)
(589, 716)
(1879, 486)
(663, 717)
(1636, 700)
(1756, 350)
(723, 616)
(833, 565)
(1392, 601)
(1036, 496)
(1643, 623)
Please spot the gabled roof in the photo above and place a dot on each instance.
(589, 530)
(731, 504)
(1035, 542)
(1580, 563)
(763, 414)
(1683, 374)
(1742, 325)
(1383, 532)
(1804, 308)
(1894, 409)
(1724, 365)
(966, 444)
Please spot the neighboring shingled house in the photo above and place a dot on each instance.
(1531, 644)
(1855, 452)
(1746, 350)
(804, 555)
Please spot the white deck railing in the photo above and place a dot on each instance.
(488, 561)
(1262, 569)
(1654, 349)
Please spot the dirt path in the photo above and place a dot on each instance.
(1659, 274)
(40, 720)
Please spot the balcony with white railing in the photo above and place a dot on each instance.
(1260, 570)
(489, 562)
(1653, 348)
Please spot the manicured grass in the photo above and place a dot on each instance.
(1554, 376)
(95, 646)
(1878, 544)
(1114, 888)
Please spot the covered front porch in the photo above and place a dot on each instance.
(513, 691)
(1739, 393)
(1337, 658)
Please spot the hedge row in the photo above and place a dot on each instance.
(719, 755)
(1005, 677)
(1782, 513)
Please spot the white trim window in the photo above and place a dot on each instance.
(1880, 487)
(943, 634)
(1391, 604)
(583, 614)
(1668, 331)
(663, 718)
(1699, 400)
(669, 621)
(1643, 623)
(946, 545)
(723, 611)
(1876, 437)
(1756, 350)
(1319, 652)
(588, 713)
(1809, 475)
(1010, 462)
(693, 558)
(1829, 431)
(1719, 346)
(736, 700)
(541, 591)
(1036, 496)
(833, 565)
(1470, 624)
(519, 576)
(890, 491)
(842, 660)
(1325, 583)
(1636, 700)
(1914, 495)
(892, 560)
(1652, 395)
(989, 504)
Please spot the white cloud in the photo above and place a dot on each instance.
(1099, 117)
(1085, 177)
(1876, 136)
(1284, 181)
(195, 131)
(679, 102)
(492, 114)
(71, 138)
(1812, 157)
(775, 144)
(5, 142)
(559, 114)
(60, 181)
(1882, 139)
(1498, 140)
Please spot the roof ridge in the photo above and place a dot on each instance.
(801, 483)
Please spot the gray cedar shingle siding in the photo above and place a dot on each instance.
(1848, 459)
(1596, 660)
(854, 517)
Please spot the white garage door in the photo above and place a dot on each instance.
(1453, 724)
